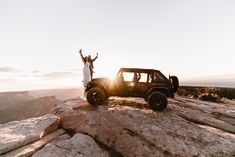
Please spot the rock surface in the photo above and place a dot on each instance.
(19, 133)
(30, 149)
(186, 128)
(79, 145)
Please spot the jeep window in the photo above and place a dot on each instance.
(157, 77)
(143, 77)
(128, 76)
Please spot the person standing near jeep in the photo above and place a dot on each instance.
(86, 71)
(90, 60)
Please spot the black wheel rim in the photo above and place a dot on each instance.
(157, 102)
(96, 97)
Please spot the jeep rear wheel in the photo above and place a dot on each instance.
(157, 101)
(96, 96)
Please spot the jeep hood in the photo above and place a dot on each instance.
(101, 79)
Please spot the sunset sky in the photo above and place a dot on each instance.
(40, 39)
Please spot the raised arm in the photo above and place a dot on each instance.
(95, 57)
(83, 59)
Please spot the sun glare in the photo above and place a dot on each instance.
(106, 71)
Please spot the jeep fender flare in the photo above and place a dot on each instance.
(165, 91)
(92, 85)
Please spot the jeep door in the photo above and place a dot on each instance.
(124, 84)
(141, 85)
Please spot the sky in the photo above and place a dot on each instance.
(40, 39)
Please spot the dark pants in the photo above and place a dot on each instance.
(91, 71)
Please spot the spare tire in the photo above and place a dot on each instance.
(175, 83)
(96, 96)
(157, 101)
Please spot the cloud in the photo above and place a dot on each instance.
(6, 80)
(35, 71)
(7, 69)
(59, 75)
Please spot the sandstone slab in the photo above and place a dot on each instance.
(131, 128)
(19, 133)
(30, 149)
(79, 145)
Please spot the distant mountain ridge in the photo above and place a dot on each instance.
(61, 94)
(13, 97)
(227, 80)
(22, 105)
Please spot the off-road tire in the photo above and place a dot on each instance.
(157, 101)
(96, 96)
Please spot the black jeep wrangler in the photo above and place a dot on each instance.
(149, 84)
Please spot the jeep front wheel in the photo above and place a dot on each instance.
(157, 101)
(95, 96)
